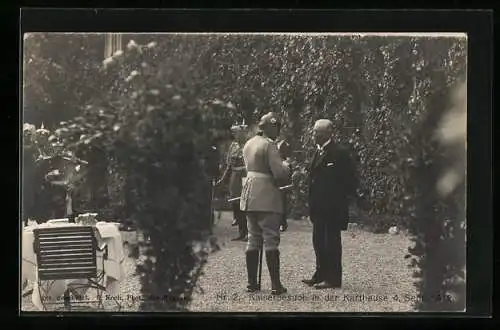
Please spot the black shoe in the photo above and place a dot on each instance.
(278, 291)
(234, 223)
(253, 288)
(252, 261)
(245, 239)
(327, 285)
(273, 265)
(311, 282)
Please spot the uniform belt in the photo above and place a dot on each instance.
(253, 174)
(239, 168)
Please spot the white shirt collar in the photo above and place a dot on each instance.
(322, 148)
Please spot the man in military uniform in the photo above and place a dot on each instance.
(332, 185)
(235, 170)
(262, 201)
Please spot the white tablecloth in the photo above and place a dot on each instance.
(113, 266)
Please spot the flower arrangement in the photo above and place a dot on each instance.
(86, 219)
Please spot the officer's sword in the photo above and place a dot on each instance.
(280, 188)
(261, 254)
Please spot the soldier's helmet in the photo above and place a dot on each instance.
(269, 119)
(236, 128)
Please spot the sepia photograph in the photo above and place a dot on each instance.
(243, 172)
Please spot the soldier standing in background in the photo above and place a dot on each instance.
(262, 201)
(235, 170)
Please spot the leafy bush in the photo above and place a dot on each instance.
(156, 132)
(58, 71)
(439, 225)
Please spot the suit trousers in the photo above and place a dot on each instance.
(263, 228)
(327, 243)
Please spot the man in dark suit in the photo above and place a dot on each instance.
(332, 184)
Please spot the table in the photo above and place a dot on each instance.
(107, 232)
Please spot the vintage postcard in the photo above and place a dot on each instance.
(244, 172)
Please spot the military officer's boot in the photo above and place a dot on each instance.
(273, 264)
(252, 257)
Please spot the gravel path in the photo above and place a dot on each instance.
(373, 266)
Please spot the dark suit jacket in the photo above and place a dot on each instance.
(332, 183)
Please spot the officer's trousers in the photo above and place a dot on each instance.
(240, 218)
(263, 228)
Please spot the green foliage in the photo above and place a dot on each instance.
(56, 71)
